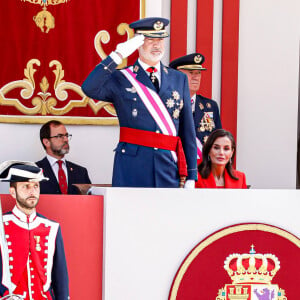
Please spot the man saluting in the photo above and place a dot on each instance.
(157, 145)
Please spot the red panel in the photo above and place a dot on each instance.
(229, 84)
(204, 42)
(81, 220)
(178, 28)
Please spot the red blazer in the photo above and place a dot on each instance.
(230, 183)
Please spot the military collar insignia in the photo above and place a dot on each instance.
(165, 70)
(136, 68)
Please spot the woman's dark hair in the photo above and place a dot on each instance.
(205, 166)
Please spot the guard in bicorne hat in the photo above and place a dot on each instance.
(33, 260)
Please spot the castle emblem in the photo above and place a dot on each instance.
(44, 19)
(251, 274)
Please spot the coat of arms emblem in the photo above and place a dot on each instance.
(44, 19)
(251, 274)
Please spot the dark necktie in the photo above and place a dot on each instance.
(62, 180)
(153, 78)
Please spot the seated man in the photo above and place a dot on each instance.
(62, 174)
(32, 257)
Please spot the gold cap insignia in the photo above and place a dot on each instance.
(158, 25)
(198, 59)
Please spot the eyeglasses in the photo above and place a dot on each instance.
(61, 136)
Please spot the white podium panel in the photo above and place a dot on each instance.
(149, 232)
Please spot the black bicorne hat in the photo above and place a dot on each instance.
(20, 171)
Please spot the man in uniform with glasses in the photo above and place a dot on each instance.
(62, 174)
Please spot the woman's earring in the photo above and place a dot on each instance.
(208, 158)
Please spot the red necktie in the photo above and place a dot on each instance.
(153, 78)
(62, 180)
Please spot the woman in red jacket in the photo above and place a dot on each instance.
(215, 170)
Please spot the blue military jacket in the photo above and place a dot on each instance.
(135, 165)
(206, 117)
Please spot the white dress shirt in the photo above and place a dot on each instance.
(54, 165)
(157, 73)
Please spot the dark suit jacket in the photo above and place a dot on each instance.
(230, 183)
(76, 174)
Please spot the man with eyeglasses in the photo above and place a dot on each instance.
(62, 174)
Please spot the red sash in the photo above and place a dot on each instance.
(156, 140)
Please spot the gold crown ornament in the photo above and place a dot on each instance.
(251, 267)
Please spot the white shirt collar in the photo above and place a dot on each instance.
(23, 217)
(145, 66)
(193, 103)
(52, 160)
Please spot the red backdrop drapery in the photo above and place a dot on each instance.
(47, 52)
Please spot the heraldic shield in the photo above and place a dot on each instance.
(251, 274)
(250, 261)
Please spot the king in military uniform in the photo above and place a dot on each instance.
(205, 110)
(157, 145)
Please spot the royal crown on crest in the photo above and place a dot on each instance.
(251, 267)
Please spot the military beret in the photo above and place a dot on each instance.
(151, 27)
(192, 61)
(20, 171)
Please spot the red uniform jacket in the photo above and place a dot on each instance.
(37, 261)
(230, 183)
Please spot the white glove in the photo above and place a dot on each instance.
(189, 184)
(128, 47)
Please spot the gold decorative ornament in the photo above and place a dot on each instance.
(104, 37)
(44, 19)
(45, 103)
(42, 106)
(251, 274)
